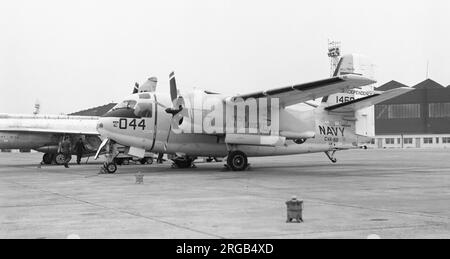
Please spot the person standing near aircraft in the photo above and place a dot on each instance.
(79, 149)
(65, 149)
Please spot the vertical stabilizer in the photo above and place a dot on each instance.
(356, 65)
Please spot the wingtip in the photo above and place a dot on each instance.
(360, 78)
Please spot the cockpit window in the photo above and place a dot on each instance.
(129, 104)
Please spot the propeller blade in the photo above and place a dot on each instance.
(162, 105)
(104, 142)
(173, 87)
(136, 88)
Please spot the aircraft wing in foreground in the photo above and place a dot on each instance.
(309, 91)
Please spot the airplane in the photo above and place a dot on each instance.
(191, 124)
(44, 133)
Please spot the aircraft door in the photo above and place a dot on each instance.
(417, 142)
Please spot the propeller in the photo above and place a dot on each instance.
(177, 107)
(143, 108)
(102, 145)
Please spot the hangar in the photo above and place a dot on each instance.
(418, 119)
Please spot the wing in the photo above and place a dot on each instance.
(305, 92)
(369, 100)
(54, 131)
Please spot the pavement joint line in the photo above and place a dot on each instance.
(318, 201)
(121, 211)
(325, 202)
(347, 230)
(37, 205)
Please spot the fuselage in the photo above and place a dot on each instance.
(307, 131)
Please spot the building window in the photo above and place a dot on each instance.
(439, 110)
(390, 141)
(398, 141)
(407, 140)
(397, 111)
(446, 140)
(427, 140)
(437, 140)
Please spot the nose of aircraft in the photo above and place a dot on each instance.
(101, 127)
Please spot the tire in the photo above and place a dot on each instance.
(237, 161)
(110, 168)
(143, 161)
(183, 163)
(60, 159)
(149, 160)
(47, 158)
(119, 161)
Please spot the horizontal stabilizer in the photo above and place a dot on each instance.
(368, 101)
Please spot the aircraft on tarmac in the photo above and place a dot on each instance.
(198, 123)
(43, 133)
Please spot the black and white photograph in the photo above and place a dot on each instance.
(222, 126)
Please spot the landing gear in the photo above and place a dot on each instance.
(110, 167)
(47, 158)
(119, 161)
(330, 155)
(237, 161)
(61, 159)
(183, 162)
(144, 161)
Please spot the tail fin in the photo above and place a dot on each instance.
(364, 119)
(356, 65)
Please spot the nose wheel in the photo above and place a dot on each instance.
(237, 161)
(110, 167)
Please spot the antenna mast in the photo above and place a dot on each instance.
(334, 53)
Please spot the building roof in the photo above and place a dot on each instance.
(390, 85)
(428, 84)
(96, 111)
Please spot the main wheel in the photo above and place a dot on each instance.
(47, 158)
(60, 159)
(237, 161)
(183, 163)
(118, 161)
(110, 168)
(148, 160)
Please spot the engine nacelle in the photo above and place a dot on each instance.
(149, 85)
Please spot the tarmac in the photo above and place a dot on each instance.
(368, 193)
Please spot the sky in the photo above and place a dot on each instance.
(72, 55)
